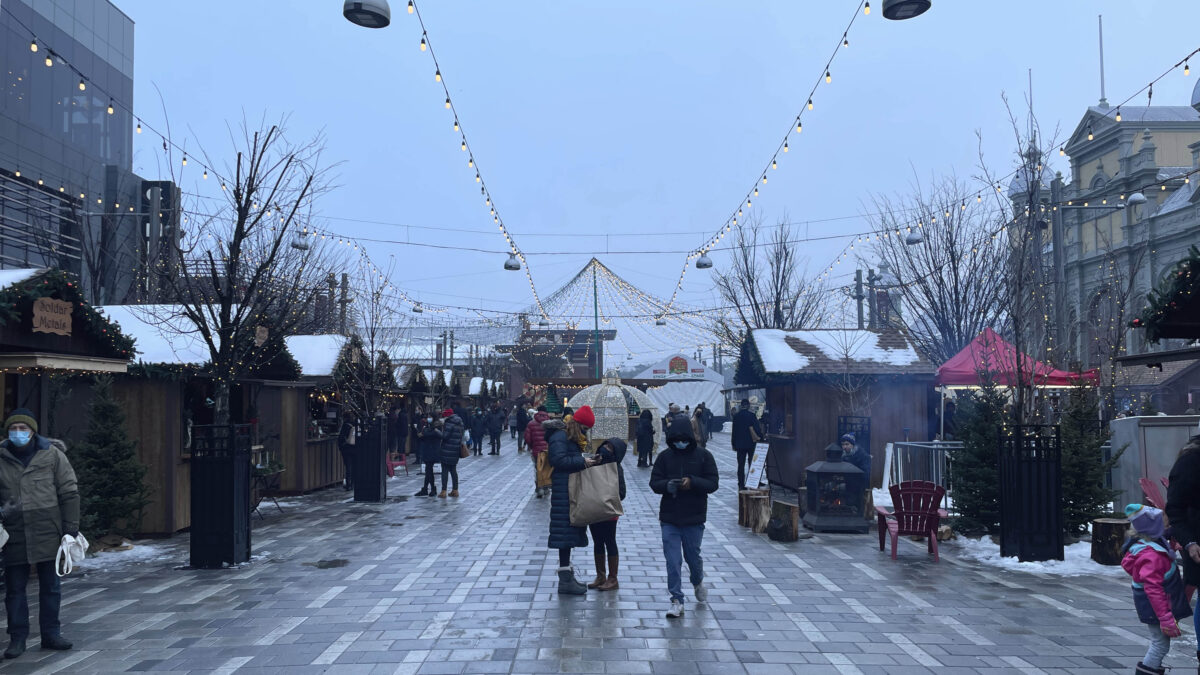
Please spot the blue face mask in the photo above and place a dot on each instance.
(19, 438)
(681, 445)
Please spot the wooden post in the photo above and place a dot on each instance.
(1108, 537)
(760, 512)
(790, 515)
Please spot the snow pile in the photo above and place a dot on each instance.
(10, 277)
(1076, 561)
(316, 354)
(777, 356)
(476, 387)
(141, 554)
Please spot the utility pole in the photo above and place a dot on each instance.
(596, 321)
(858, 296)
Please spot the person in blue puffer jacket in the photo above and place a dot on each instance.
(566, 441)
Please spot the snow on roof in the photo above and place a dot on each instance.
(316, 354)
(161, 333)
(10, 277)
(837, 350)
(1179, 199)
(434, 376)
(476, 387)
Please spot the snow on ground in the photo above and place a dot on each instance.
(144, 552)
(1076, 561)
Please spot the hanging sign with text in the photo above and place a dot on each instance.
(51, 316)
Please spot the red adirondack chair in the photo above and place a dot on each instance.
(915, 512)
(1153, 495)
(395, 460)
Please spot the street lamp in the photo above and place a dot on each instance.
(703, 262)
(370, 13)
(512, 264)
(899, 10)
(915, 237)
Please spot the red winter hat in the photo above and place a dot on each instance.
(584, 417)
(447, 412)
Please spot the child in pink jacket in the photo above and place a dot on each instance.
(1156, 578)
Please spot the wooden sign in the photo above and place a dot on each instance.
(261, 333)
(52, 316)
(754, 477)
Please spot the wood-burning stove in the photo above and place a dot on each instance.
(835, 494)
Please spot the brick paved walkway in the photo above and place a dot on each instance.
(467, 586)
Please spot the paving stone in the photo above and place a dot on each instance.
(467, 586)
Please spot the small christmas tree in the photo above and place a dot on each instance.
(974, 467)
(553, 403)
(111, 488)
(1083, 465)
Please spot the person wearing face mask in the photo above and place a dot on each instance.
(565, 442)
(36, 476)
(684, 474)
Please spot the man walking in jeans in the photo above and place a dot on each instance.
(684, 474)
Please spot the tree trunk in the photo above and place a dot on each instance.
(220, 402)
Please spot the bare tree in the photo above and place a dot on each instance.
(248, 268)
(767, 286)
(378, 325)
(949, 264)
(855, 391)
(1105, 328)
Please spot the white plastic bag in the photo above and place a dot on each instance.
(71, 552)
(3, 536)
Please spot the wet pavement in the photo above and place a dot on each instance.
(466, 585)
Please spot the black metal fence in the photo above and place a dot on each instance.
(1031, 518)
(220, 463)
(370, 457)
(922, 461)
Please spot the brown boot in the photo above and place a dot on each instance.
(454, 492)
(600, 576)
(442, 494)
(611, 583)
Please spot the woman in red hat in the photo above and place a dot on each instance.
(566, 441)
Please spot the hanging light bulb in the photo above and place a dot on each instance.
(1062, 151)
(774, 164)
(437, 76)
(755, 192)
(423, 45)
(463, 147)
(748, 204)
(456, 124)
(470, 162)
(1090, 136)
(799, 126)
(845, 40)
(447, 102)
(867, 8)
(477, 178)
(185, 160)
(410, 6)
(33, 45)
(82, 84)
(17, 173)
(206, 174)
(139, 127)
(1118, 113)
(764, 178)
(1186, 69)
(110, 106)
(49, 61)
(810, 104)
(785, 146)
(828, 77)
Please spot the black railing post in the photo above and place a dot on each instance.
(220, 499)
(1030, 473)
(370, 456)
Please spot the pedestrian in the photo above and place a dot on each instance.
(645, 439)
(1183, 510)
(429, 449)
(452, 441)
(861, 458)
(479, 424)
(698, 431)
(347, 437)
(684, 474)
(604, 533)
(535, 439)
(495, 427)
(522, 423)
(745, 431)
(41, 504)
(1151, 563)
(512, 423)
(565, 442)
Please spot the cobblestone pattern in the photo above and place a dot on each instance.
(467, 586)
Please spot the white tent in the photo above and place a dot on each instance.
(680, 367)
(687, 382)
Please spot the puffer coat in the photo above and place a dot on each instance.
(49, 499)
(535, 435)
(496, 420)
(429, 443)
(452, 439)
(478, 426)
(645, 437)
(566, 459)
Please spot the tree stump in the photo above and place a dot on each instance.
(744, 496)
(759, 513)
(790, 515)
(1108, 537)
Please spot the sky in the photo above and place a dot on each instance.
(623, 126)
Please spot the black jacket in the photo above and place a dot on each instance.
(566, 458)
(1183, 508)
(344, 436)
(496, 421)
(743, 422)
(686, 507)
(479, 426)
(522, 417)
(645, 437)
(452, 438)
(429, 442)
(616, 455)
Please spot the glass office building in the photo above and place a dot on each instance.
(68, 196)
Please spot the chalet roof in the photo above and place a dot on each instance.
(316, 354)
(10, 277)
(1141, 376)
(835, 351)
(162, 334)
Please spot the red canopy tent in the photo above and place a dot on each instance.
(989, 351)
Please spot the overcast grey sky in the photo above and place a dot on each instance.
(623, 117)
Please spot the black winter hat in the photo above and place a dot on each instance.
(681, 427)
(617, 444)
